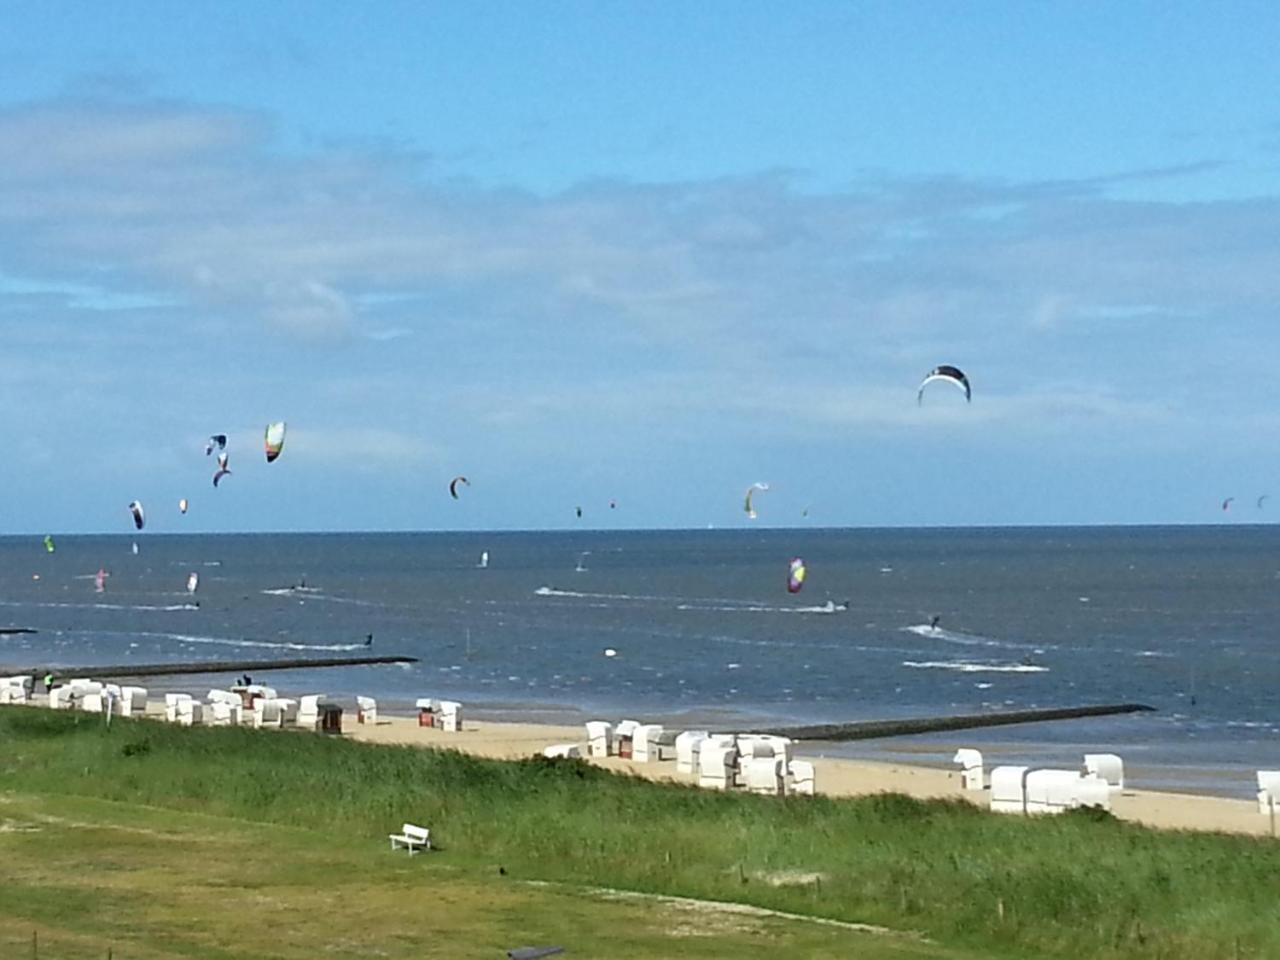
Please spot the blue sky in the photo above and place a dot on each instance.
(644, 252)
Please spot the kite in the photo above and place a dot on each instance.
(182, 505)
(218, 440)
(950, 374)
(273, 440)
(453, 485)
(747, 506)
(795, 576)
(222, 470)
(1226, 504)
(139, 518)
(48, 542)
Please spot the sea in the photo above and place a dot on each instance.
(697, 628)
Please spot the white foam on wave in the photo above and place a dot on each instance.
(707, 605)
(580, 595)
(829, 607)
(268, 644)
(48, 604)
(965, 639)
(966, 666)
(313, 593)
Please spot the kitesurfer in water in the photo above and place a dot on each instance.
(933, 624)
(368, 640)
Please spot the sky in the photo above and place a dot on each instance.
(649, 253)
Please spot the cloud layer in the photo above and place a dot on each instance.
(165, 267)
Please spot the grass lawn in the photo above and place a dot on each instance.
(193, 842)
(87, 876)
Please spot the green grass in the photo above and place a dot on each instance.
(1071, 886)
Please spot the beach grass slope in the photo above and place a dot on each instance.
(265, 829)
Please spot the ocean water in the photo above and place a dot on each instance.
(702, 629)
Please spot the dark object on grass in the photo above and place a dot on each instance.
(533, 953)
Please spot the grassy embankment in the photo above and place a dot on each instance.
(974, 883)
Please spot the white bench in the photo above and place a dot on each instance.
(412, 837)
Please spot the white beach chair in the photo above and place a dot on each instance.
(1053, 791)
(716, 764)
(1092, 792)
(171, 702)
(59, 698)
(426, 707)
(687, 744)
(219, 713)
(644, 742)
(308, 715)
(565, 750)
(189, 712)
(82, 688)
(90, 702)
(266, 713)
(22, 683)
(803, 780)
(450, 716)
(366, 710)
(1105, 766)
(623, 737)
(970, 761)
(1268, 790)
(599, 738)
(132, 702)
(15, 690)
(1008, 789)
(765, 775)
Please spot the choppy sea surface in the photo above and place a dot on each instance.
(702, 629)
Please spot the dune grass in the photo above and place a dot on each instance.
(1069, 886)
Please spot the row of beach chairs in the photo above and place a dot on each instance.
(92, 696)
(1024, 789)
(256, 705)
(759, 763)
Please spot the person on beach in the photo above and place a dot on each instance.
(48, 682)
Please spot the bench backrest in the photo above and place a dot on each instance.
(417, 833)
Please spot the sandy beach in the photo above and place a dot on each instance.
(834, 777)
